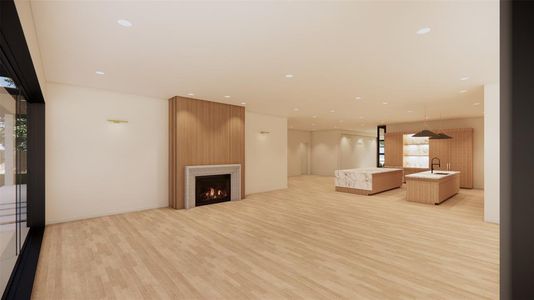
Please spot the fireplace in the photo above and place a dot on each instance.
(212, 189)
(232, 186)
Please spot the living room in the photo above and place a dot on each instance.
(201, 150)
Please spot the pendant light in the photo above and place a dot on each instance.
(425, 132)
(440, 136)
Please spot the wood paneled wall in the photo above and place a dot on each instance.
(458, 152)
(203, 133)
(393, 147)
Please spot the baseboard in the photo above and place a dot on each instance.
(113, 212)
(20, 284)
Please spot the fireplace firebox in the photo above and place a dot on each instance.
(212, 189)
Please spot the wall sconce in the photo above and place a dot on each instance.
(265, 132)
(115, 121)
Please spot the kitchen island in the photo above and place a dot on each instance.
(432, 188)
(368, 181)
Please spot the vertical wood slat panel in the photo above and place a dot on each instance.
(393, 147)
(457, 151)
(203, 133)
(172, 152)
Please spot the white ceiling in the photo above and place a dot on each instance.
(335, 50)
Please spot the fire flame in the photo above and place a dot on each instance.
(214, 194)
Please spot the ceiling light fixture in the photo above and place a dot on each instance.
(476, 103)
(226, 96)
(358, 98)
(99, 73)
(423, 30)
(124, 23)
(464, 78)
(296, 109)
(384, 103)
(332, 111)
(243, 103)
(190, 94)
(290, 75)
(463, 91)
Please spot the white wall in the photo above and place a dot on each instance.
(298, 152)
(330, 153)
(357, 151)
(265, 154)
(478, 139)
(96, 168)
(325, 152)
(492, 155)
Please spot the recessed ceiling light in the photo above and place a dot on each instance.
(463, 91)
(423, 30)
(226, 96)
(124, 23)
(476, 103)
(358, 98)
(410, 111)
(190, 94)
(290, 75)
(332, 111)
(315, 117)
(296, 109)
(99, 72)
(464, 78)
(384, 103)
(243, 103)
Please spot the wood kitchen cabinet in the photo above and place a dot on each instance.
(455, 154)
(393, 149)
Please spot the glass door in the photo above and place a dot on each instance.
(8, 190)
(21, 148)
(13, 174)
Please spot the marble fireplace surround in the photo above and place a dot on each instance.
(203, 170)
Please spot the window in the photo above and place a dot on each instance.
(381, 146)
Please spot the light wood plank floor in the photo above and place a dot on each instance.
(306, 242)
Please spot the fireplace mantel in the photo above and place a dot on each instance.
(192, 171)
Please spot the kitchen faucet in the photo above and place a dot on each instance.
(432, 164)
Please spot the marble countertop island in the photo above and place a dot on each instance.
(437, 175)
(368, 181)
